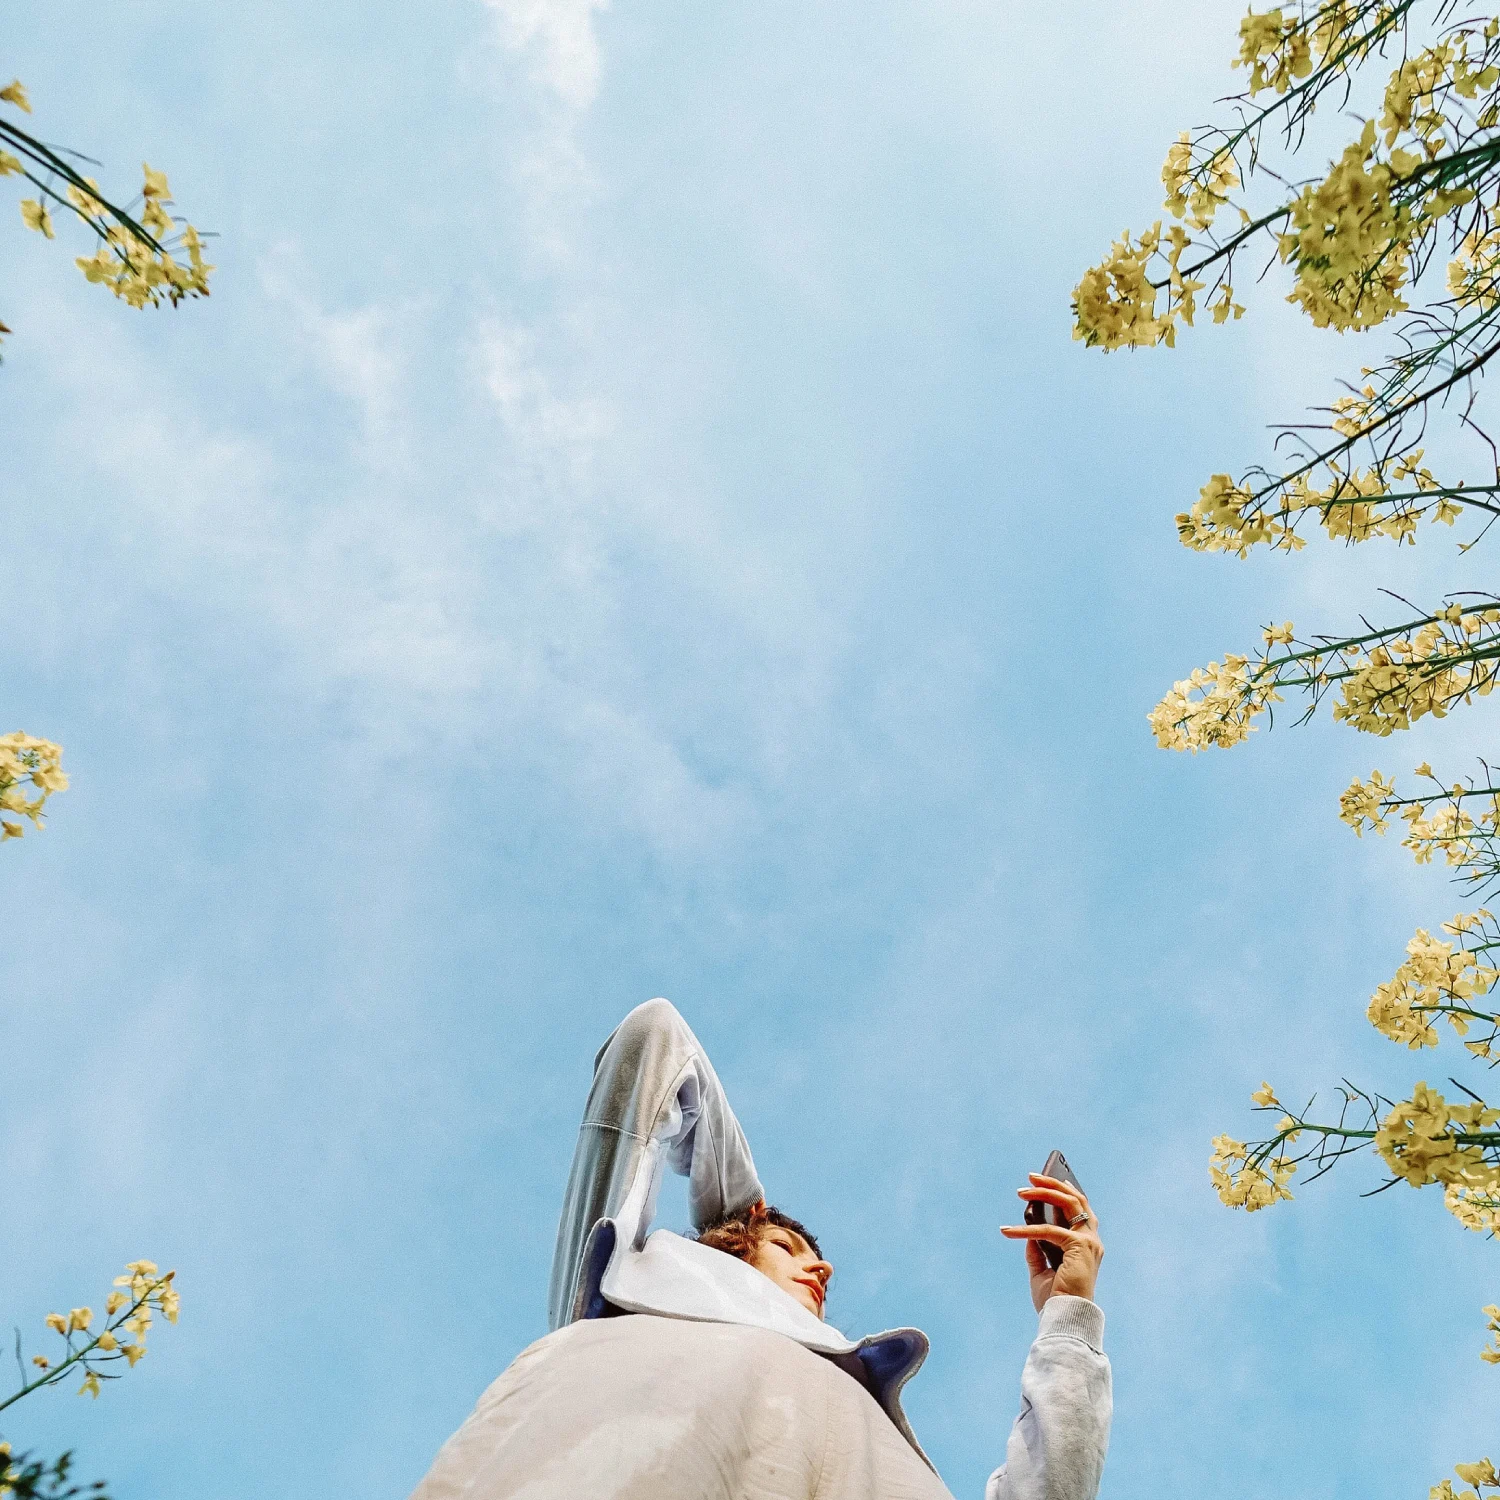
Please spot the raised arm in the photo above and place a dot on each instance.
(655, 1101)
(1057, 1445)
(1056, 1448)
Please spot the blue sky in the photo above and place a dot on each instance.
(631, 520)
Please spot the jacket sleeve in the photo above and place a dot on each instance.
(1056, 1448)
(655, 1101)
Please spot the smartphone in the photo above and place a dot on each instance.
(1048, 1213)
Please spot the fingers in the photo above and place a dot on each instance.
(1073, 1201)
(1057, 1196)
(1037, 1264)
(1049, 1187)
(1052, 1233)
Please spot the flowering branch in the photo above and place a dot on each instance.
(1388, 677)
(143, 256)
(27, 762)
(129, 1311)
(1462, 823)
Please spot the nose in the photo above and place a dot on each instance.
(823, 1271)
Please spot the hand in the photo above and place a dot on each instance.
(1081, 1247)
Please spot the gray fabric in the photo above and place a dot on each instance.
(1057, 1445)
(716, 1385)
(655, 1095)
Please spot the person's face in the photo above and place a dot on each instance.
(789, 1261)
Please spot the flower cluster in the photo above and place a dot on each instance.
(1197, 190)
(1490, 1354)
(1281, 49)
(1214, 705)
(1450, 830)
(1350, 237)
(143, 256)
(137, 269)
(1408, 674)
(1354, 506)
(1115, 304)
(1436, 978)
(27, 763)
(1475, 1208)
(1353, 237)
(1417, 97)
(1462, 823)
(1425, 1139)
(1276, 49)
(1481, 1474)
(1474, 272)
(1387, 679)
(1243, 1183)
(128, 1311)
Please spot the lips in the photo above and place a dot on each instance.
(814, 1286)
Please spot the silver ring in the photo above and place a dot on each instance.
(1078, 1219)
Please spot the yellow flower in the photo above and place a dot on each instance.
(1265, 1097)
(1240, 1185)
(132, 1352)
(1481, 1473)
(79, 1319)
(1214, 706)
(154, 218)
(57, 1322)
(1114, 306)
(9, 165)
(15, 93)
(1490, 1354)
(41, 1361)
(114, 1302)
(34, 215)
(90, 1384)
(107, 1340)
(1276, 50)
(1351, 240)
(1365, 803)
(86, 202)
(1418, 1141)
(1196, 192)
(156, 183)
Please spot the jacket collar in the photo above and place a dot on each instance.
(675, 1277)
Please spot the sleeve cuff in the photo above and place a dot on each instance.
(1073, 1318)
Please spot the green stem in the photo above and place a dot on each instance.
(44, 156)
(1459, 1010)
(52, 1376)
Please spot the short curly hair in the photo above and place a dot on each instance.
(739, 1233)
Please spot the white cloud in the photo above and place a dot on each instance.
(559, 40)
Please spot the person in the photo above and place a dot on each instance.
(703, 1368)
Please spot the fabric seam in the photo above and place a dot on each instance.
(1067, 1338)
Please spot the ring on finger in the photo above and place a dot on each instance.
(1081, 1218)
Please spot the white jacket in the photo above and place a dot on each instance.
(721, 1386)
